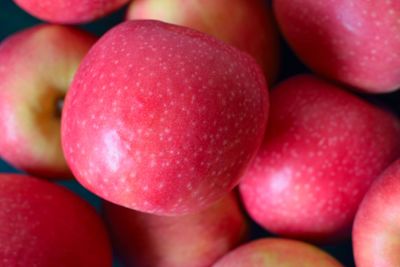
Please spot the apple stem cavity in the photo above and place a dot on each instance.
(59, 106)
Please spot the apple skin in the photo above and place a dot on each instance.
(70, 11)
(245, 24)
(376, 240)
(194, 240)
(163, 119)
(322, 150)
(354, 42)
(43, 224)
(268, 252)
(36, 69)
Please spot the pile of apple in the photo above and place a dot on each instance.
(168, 112)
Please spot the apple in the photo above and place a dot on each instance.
(322, 150)
(355, 42)
(36, 68)
(43, 224)
(163, 119)
(70, 11)
(277, 252)
(376, 239)
(195, 240)
(246, 24)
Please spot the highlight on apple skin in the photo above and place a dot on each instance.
(43, 224)
(163, 119)
(355, 42)
(194, 240)
(322, 150)
(246, 24)
(36, 69)
(376, 240)
(268, 252)
(70, 11)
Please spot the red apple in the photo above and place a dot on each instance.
(376, 229)
(277, 252)
(163, 119)
(36, 68)
(322, 150)
(195, 240)
(355, 42)
(43, 224)
(70, 11)
(246, 24)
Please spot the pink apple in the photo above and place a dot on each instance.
(376, 229)
(43, 224)
(70, 11)
(277, 252)
(246, 24)
(163, 119)
(36, 68)
(322, 150)
(355, 42)
(195, 240)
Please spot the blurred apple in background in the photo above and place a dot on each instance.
(355, 42)
(246, 24)
(277, 252)
(322, 150)
(195, 240)
(43, 224)
(36, 69)
(376, 229)
(70, 11)
(162, 118)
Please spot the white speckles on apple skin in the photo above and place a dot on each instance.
(355, 42)
(247, 25)
(322, 150)
(192, 121)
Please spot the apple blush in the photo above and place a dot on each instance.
(43, 224)
(376, 239)
(274, 252)
(355, 42)
(193, 240)
(322, 150)
(70, 11)
(36, 69)
(163, 119)
(245, 24)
